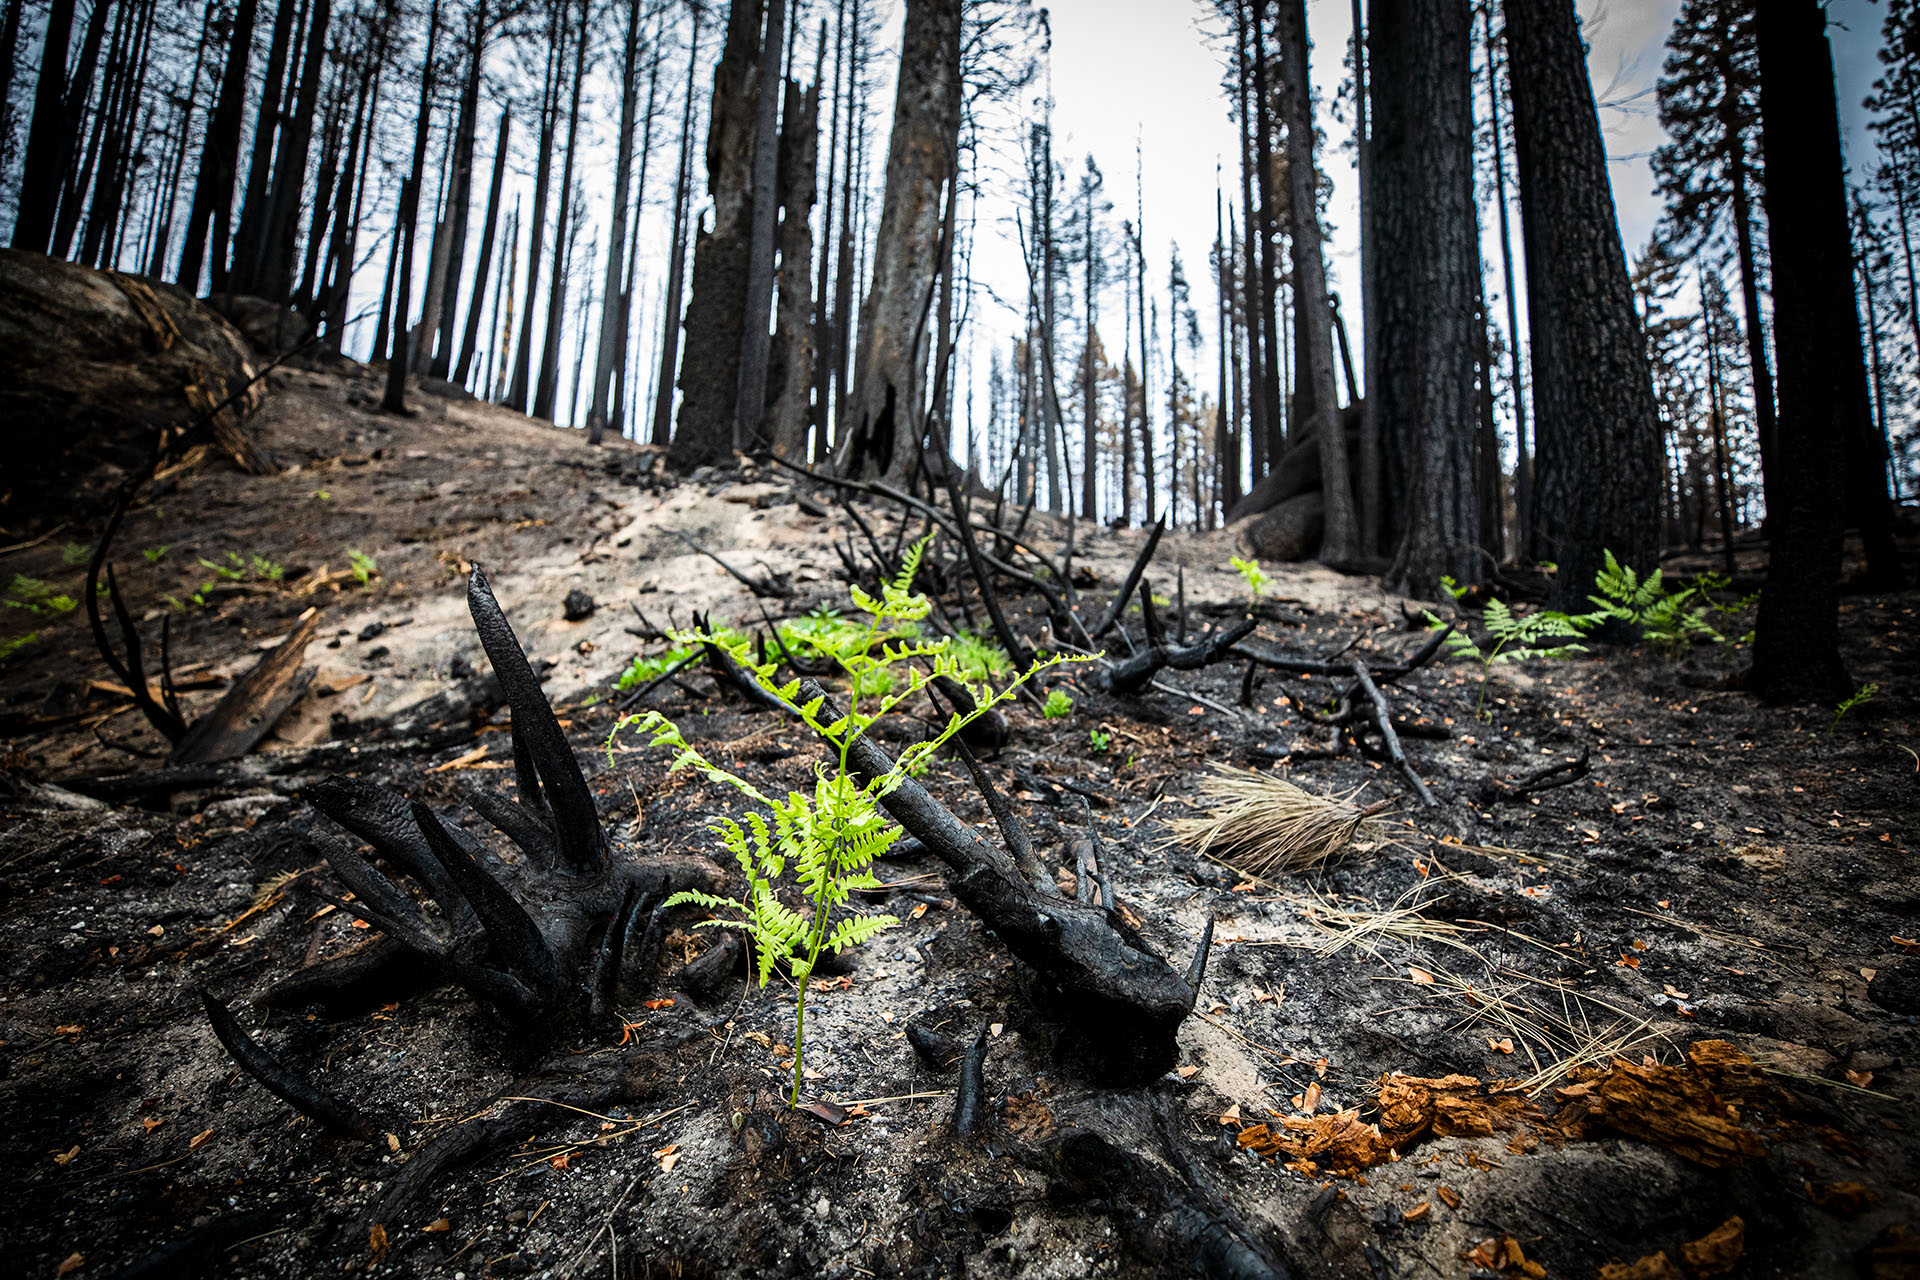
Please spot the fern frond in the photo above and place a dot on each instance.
(854, 930)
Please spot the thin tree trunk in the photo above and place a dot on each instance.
(1371, 496)
(395, 398)
(557, 32)
(274, 277)
(219, 161)
(253, 209)
(822, 313)
(470, 339)
(547, 386)
(1764, 415)
(1722, 476)
(1147, 460)
(1280, 423)
(1523, 463)
(1253, 279)
(611, 293)
(677, 258)
(1317, 399)
(433, 354)
(105, 116)
(48, 140)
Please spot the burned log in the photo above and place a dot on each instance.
(1118, 1002)
(517, 935)
(1135, 673)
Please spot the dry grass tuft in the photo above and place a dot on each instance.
(1366, 927)
(1260, 824)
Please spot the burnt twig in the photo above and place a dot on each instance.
(1383, 720)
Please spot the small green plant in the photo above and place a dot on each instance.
(154, 554)
(1545, 633)
(1058, 706)
(14, 645)
(979, 658)
(321, 495)
(1454, 589)
(826, 843)
(684, 644)
(1858, 698)
(1673, 620)
(237, 569)
(1099, 740)
(36, 597)
(73, 555)
(1250, 570)
(365, 569)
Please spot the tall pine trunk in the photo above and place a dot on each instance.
(606, 350)
(471, 338)
(435, 353)
(49, 142)
(750, 404)
(792, 363)
(521, 385)
(1316, 401)
(677, 258)
(219, 162)
(395, 398)
(547, 387)
(1597, 480)
(1427, 263)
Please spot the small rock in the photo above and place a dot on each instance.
(1896, 987)
(821, 1207)
(577, 606)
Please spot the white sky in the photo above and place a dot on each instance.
(1151, 71)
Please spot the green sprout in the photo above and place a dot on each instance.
(1059, 705)
(1250, 570)
(365, 569)
(1099, 740)
(36, 597)
(826, 843)
(1858, 698)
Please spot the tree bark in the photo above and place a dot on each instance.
(1796, 651)
(395, 398)
(471, 338)
(1316, 399)
(275, 89)
(922, 158)
(547, 386)
(716, 314)
(219, 161)
(520, 387)
(1597, 481)
(605, 351)
(677, 258)
(435, 353)
(1523, 461)
(1427, 264)
(48, 140)
(793, 344)
(750, 404)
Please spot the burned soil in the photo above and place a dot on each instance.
(1522, 1033)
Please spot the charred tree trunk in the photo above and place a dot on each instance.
(1796, 651)
(793, 344)
(1273, 387)
(611, 294)
(276, 89)
(1523, 458)
(273, 279)
(79, 176)
(1427, 263)
(750, 396)
(219, 161)
(520, 387)
(1316, 401)
(49, 142)
(547, 386)
(1597, 483)
(716, 315)
(922, 159)
(471, 338)
(1253, 280)
(434, 352)
(395, 398)
(677, 258)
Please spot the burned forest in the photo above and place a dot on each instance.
(841, 638)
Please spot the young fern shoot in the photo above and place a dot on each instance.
(826, 843)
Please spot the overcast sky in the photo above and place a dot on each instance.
(1151, 69)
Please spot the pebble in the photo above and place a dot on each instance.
(821, 1207)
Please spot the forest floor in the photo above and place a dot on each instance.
(1726, 872)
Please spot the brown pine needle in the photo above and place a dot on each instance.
(1260, 824)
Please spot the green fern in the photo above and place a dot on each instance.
(825, 844)
(1545, 633)
(1251, 571)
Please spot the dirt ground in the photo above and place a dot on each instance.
(1725, 872)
